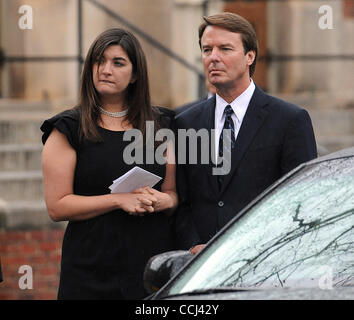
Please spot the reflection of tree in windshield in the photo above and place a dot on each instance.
(341, 244)
(318, 232)
(310, 224)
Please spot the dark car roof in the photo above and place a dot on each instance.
(349, 152)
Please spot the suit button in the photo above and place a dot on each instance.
(221, 203)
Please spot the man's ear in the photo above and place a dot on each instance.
(250, 55)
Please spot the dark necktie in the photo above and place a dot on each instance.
(228, 124)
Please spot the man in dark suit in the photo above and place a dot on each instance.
(269, 137)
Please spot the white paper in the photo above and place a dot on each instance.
(133, 179)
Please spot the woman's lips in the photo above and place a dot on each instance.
(106, 81)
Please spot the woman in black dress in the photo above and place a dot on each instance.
(109, 237)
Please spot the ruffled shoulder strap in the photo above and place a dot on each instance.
(165, 117)
(67, 122)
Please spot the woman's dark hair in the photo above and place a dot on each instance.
(137, 97)
(234, 23)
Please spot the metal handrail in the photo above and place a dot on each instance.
(79, 37)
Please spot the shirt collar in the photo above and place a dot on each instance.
(239, 105)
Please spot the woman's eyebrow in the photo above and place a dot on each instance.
(119, 59)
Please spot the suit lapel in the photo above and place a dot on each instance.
(254, 117)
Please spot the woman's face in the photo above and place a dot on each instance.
(114, 72)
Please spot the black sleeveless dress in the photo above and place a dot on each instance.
(104, 257)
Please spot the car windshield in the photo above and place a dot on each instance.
(299, 235)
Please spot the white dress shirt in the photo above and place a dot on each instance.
(239, 106)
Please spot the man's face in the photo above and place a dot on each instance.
(225, 63)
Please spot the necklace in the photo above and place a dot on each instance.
(114, 114)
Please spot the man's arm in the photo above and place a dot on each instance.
(299, 143)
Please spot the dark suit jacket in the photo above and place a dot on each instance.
(188, 106)
(275, 137)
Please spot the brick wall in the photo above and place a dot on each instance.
(39, 249)
(348, 9)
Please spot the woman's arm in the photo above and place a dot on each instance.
(58, 165)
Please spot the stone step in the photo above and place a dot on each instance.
(20, 157)
(21, 185)
(21, 128)
(26, 215)
(320, 101)
(333, 122)
(334, 142)
(24, 105)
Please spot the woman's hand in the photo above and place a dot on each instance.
(163, 201)
(137, 203)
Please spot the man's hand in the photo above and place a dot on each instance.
(194, 250)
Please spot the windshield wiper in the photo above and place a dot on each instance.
(208, 291)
